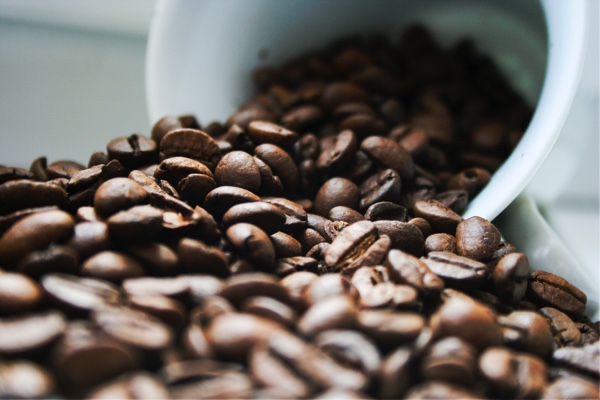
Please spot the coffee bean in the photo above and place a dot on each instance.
(253, 243)
(548, 289)
(564, 330)
(24, 193)
(336, 192)
(221, 199)
(513, 374)
(118, 194)
(440, 242)
(389, 154)
(441, 218)
(350, 348)
(339, 153)
(197, 257)
(571, 387)
(471, 180)
(335, 312)
(281, 163)
(266, 216)
(510, 277)
(527, 331)
(476, 238)
(404, 236)
(406, 268)
(383, 186)
(25, 380)
(390, 328)
(131, 386)
(351, 245)
(270, 308)
(30, 332)
(440, 390)
(386, 210)
(34, 232)
(457, 271)
(469, 320)
(133, 151)
(170, 311)
(18, 293)
(451, 360)
(112, 266)
(160, 259)
(191, 143)
(295, 216)
(238, 168)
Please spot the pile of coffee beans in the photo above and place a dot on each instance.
(311, 246)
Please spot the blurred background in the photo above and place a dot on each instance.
(72, 76)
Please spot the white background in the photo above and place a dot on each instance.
(72, 77)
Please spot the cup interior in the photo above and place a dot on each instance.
(201, 55)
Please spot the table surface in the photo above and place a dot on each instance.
(73, 78)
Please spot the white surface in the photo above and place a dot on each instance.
(191, 71)
(63, 88)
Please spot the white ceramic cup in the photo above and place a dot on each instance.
(201, 54)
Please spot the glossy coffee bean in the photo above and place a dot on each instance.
(18, 293)
(408, 269)
(336, 192)
(441, 218)
(457, 271)
(112, 266)
(476, 238)
(527, 331)
(191, 143)
(511, 276)
(118, 194)
(548, 289)
(238, 168)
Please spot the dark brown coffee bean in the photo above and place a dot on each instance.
(131, 386)
(404, 236)
(441, 218)
(191, 143)
(296, 217)
(78, 296)
(383, 186)
(268, 307)
(281, 163)
(456, 200)
(176, 287)
(527, 331)
(440, 390)
(471, 180)
(90, 238)
(513, 374)
(232, 335)
(510, 277)
(302, 117)
(338, 153)
(137, 224)
(221, 199)
(363, 125)
(104, 357)
(564, 330)
(408, 269)
(158, 258)
(440, 242)
(547, 289)
(345, 214)
(18, 293)
(269, 132)
(63, 169)
(266, 216)
(252, 243)
(336, 192)
(34, 232)
(197, 257)
(337, 93)
(396, 373)
(386, 210)
(450, 360)
(350, 245)
(112, 266)
(24, 193)
(469, 320)
(457, 271)
(14, 173)
(390, 328)
(477, 238)
(390, 155)
(118, 194)
(350, 348)
(295, 284)
(174, 169)
(25, 380)
(285, 245)
(30, 332)
(170, 311)
(133, 327)
(133, 151)
(335, 312)
(238, 168)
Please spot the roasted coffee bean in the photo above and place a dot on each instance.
(346, 214)
(510, 277)
(338, 153)
(289, 265)
(476, 238)
(63, 169)
(335, 312)
(386, 210)
(34, 232)
(281, 164)
(295, 216)
(14, 173)
(269, 132)
(239, 287)
(268, 307)
(285, 245)
(564, 330)
(350, 348)
(389, 154)
(527, 331)
(18, 293)
(118, 194)
(174, 169)
(440, 390)
(471, 180)
(571, 387)
(112, 266)
(25, 380)
(351, 247)
(197, 257)
(302, 117)
(457, 271)
(253, 243)
(90, 238)
(170, 311)
(133, 151)
(78, 296)
(27, 333)
(406, 268)
(441, 218)
(547, 289)
(191, 143)
(21, 194)
(266, 216)
(56, 258)
(222, 198)
(336, 192)
(423, 226)
(450, 360)
(325, 286)
(513, 374)
(137, 224)
(160, 259)
(440, 242)
(390, 328)
(404, 236)
(469, 320)
(383, 186)
(238, 168)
